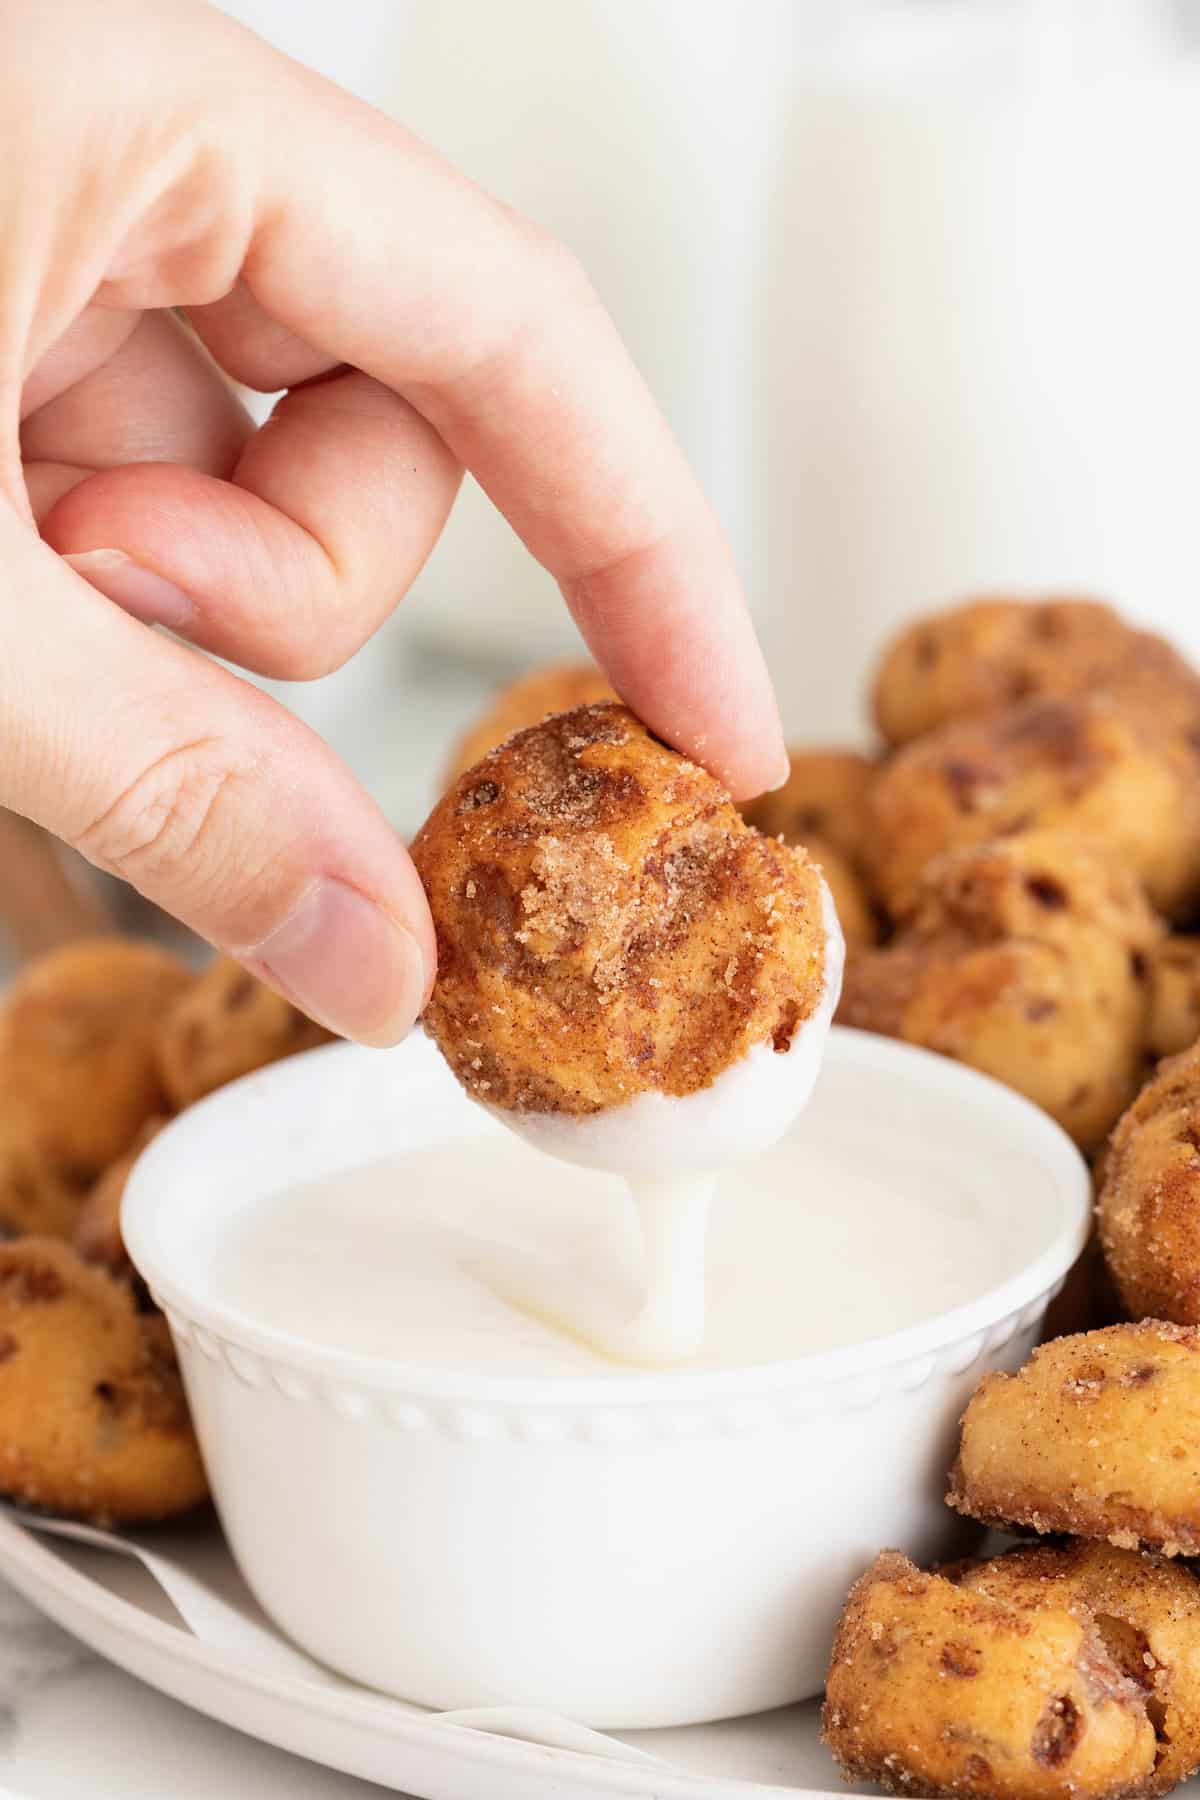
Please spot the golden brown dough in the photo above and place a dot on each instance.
(607, 923)
(1027, 959)
(856, 915)
(97, 1234)
(1098, 1435)
(824, 799)
(93, 1420)
(1149, 1202)
(937, 1690)
(1072, 765)
(983, 656)
(226, 1025)
(36, 1193)
(1147, 1612)
(558, 688)
(77, 1042)
(823, 808)
(1174, 996)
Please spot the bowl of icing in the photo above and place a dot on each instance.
(445, 1497)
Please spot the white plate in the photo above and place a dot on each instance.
(113, 1605)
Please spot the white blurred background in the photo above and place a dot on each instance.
(916, 281)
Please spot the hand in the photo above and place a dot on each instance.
(154, 155)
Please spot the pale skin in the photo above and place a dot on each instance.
(155, 155)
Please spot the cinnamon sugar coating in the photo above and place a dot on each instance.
(857, 917)
(1075, 765)
(935, 1689)
(93, 1420)
(97, 1234)
(824, 797)
(1146, 1610)
(607, 923)
(823, 807)
(1097, 1435)
(1028, 959)
(39, 1192)
(226, 1025)
(557, 688)
(77, 1049)
(1149, 1203)
(1174, 996)
(976, 659)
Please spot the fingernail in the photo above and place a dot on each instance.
(347, 963)
(135, 589)
(783, 771)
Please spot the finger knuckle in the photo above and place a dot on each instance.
(178, 813)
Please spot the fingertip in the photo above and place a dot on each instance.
(347, 963)
(767, 773)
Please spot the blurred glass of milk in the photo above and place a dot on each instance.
(978, 352)
(916, 282)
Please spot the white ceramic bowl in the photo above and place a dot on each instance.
(631, 1551)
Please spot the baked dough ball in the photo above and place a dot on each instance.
(856, 915)
(1098, 1435)
(97, 1234)
(1174, 996)
(979, 658)
(1074, 765)
(77, 1048)
(1049, 886)
(556, 689)
(823, 807)
(823, 798)
(93, 1420)
(1147, 1612)
(1026, 959)
(37, 1194)
(1149, 1202)
(935, 1689)
(607, 923)
(226, 1025)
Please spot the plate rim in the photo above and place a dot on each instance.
(66, 1595)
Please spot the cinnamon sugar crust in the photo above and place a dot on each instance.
(1078, 765)
(823, 807)
(607, 923)
(935, 1689)
(1146, 1610)
(1148, 1210)
(977, 659)
(1026, 958)
(93, 1420)
(1097, 1435)
(557, 688)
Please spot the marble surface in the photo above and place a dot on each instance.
(73, 1727)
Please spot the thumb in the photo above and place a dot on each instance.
(207, 797)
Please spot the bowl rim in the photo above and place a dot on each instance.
(268, 1091)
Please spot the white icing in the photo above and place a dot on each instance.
(663, 1319)
(670, 1148)
(874, 1214)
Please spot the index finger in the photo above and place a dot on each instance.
(398, 265)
